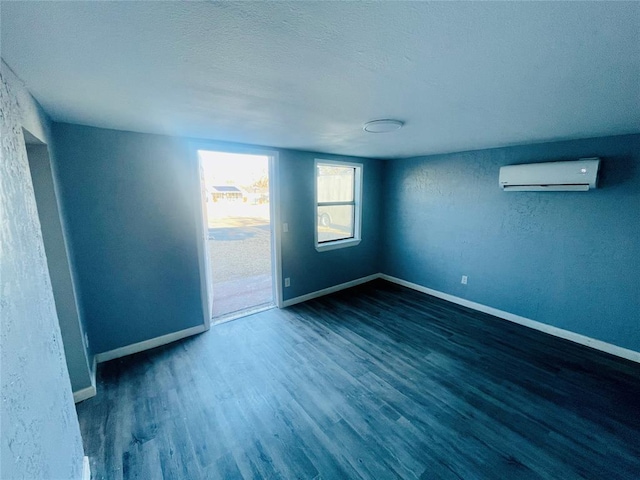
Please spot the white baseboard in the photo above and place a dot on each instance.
(327, 291)
(527, 322)
(147, 344)
(90, 391)
(84, 393)
(86, 468)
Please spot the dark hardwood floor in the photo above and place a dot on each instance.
(373, 382)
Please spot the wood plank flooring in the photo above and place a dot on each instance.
(374, 382)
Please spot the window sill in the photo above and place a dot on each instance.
(350, 242)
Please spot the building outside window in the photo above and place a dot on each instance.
(338, 204)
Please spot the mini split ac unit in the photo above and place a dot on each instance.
(577, 175)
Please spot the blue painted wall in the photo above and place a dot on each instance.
(130, 203)
(130, 209)
(568, 259)
(310, 270)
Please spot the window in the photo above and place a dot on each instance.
(338, 204)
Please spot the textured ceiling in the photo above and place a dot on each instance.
(307, 75)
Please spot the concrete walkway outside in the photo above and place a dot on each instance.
(240, 260)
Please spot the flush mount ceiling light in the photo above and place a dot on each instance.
(382, 126)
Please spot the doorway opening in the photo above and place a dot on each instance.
(239, 232)
(74, 337)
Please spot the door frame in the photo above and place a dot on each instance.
(206, 282)
(81, 365)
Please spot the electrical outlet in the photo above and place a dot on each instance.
(464, 280)
(285, 227)
(86, 340)
(287, 282)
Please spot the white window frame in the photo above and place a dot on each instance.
(357, 206)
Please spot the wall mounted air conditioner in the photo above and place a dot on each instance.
(577, 175)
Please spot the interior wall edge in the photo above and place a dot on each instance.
(59, 264)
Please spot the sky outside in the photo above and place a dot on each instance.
(237, 169)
